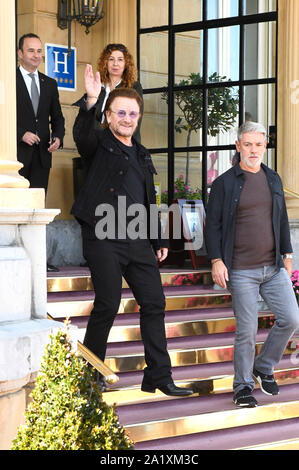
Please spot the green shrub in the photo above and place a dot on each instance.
(67, 411)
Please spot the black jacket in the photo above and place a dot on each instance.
(108, 165)
(49, 109)
(221, 215)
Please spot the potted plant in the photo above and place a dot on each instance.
(67, 411)
(223, 105)
(182, 191)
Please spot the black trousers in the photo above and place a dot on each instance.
(135, 261)
(35, 173)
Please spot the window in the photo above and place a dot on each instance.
(205, 67)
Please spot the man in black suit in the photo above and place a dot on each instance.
(37, 104)
(120, 177)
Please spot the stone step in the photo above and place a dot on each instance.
(77, 278)
(188, 350)
(274, 435)
(72, 304)
(200, 329)
(133, 379)
(204, 379)
(177, 323)
(180, 417)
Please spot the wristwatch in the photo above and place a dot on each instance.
(288, 256)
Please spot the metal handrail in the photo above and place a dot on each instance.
(292, 193)
(99, 365)
(90, 357)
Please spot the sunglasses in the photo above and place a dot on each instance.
(122, 114)
(116, 47)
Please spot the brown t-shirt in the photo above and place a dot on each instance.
(254, 244)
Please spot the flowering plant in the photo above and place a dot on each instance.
(186, 279)
(295, 281)
(182, 191)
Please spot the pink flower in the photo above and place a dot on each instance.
(295, 281)
(179, 281)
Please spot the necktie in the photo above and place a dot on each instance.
(34, 93)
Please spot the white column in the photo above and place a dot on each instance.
(9, 166)
(288, 103)
(121, 23)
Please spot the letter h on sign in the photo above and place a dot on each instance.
(61, 66)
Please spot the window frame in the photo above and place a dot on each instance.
(205, 25)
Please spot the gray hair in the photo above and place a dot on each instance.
(250, 126)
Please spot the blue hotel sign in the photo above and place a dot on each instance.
(60, 66)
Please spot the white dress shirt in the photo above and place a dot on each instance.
(107, 91)
(28, 80)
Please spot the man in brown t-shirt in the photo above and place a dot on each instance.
(248, 242)
(254, 223)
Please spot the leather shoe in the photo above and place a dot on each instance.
(170, 389)
(52, 269)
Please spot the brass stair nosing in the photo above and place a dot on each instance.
(287, 444)
(69, 284)
(202, 387)
(82, 282)
(134, 394)
(188, 302)
(75, 308)
(173, 330)
(179, 357)
(211, 421)
(183, 328)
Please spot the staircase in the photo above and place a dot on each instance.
(200, 333)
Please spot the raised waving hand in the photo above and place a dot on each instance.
(93, 85)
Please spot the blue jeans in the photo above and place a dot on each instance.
(275, 287)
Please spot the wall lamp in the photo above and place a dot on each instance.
(86, 12)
